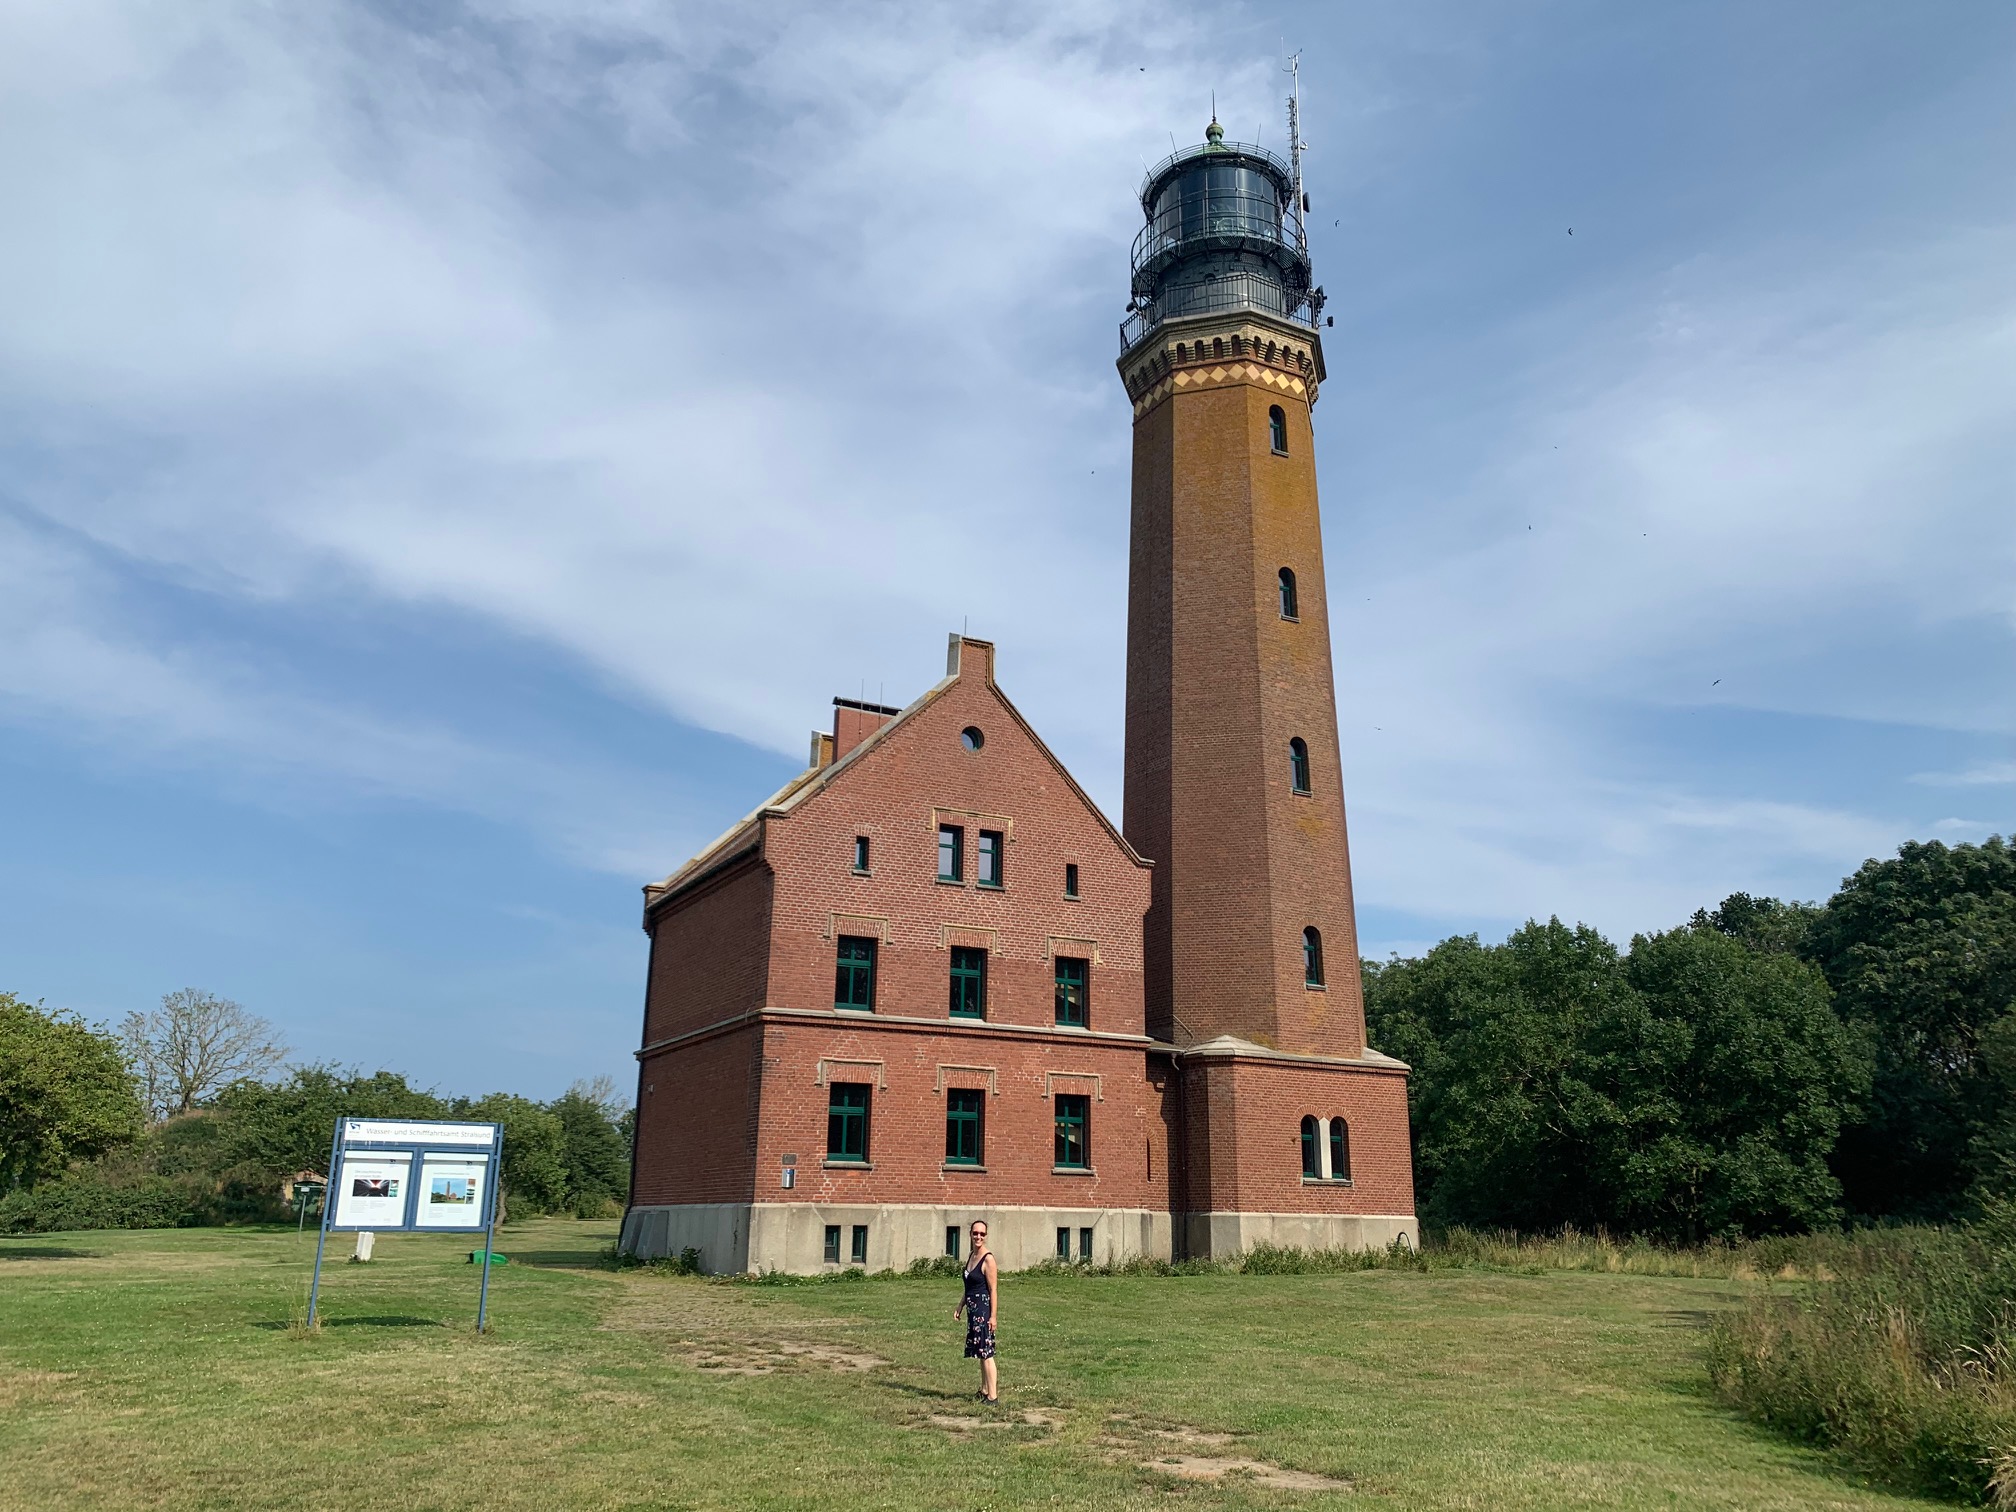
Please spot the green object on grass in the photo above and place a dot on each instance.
(476, 1258)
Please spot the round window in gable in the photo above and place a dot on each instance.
(971, 738)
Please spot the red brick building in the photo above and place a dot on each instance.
(929, 981)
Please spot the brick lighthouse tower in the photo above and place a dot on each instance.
(1290, 1129)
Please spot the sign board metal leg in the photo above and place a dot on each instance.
(322, 1233)
(483, 1295)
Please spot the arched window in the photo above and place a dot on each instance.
(1340, 1150)
(1298, 764)
(1288, 601)
(1312, 1157)
(1277, 429)
(1217, 346)
(1312, 956)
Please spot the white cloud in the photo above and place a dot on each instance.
(739, 354)
(1983, 774)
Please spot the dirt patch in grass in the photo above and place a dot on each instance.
(1201, 1468)
(1029, 1417)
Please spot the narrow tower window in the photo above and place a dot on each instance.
(1312, 1158)
(1312, 956)
(1298, 764)
(1289, 608)
(1340, 1150)
(1277, 429)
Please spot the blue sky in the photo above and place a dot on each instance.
(448, 462)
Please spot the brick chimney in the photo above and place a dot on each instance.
(854, 722)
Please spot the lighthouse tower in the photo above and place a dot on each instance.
(1290, 1129)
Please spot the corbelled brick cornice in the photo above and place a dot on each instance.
(1211, 351)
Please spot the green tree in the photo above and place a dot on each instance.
(1994, 1143)
(1762, 923)
(278, 1128)
(1507, 1102)
(591, 1149)
(1693, 1088)
(1736, 1092)
(1921, 952)
(66, 1093)
(535, 1164)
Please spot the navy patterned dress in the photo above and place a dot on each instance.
(979, 1305)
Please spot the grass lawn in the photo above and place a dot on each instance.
(158, 1370)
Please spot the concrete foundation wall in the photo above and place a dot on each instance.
(719, 1230)
(790, 1236)
(1226, 1236)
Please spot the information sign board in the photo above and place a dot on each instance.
(416, 1176)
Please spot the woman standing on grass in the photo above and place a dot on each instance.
(981, 1304)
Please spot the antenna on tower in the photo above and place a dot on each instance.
(1295, 147)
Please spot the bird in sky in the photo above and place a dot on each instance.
(1571, 230)
(1716, 684)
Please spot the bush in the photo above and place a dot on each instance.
(1903, 1360)
(89, 1202)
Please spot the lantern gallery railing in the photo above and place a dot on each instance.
(1213, 296)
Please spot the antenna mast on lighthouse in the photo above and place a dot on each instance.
(1295, 147)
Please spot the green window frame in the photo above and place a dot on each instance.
(968, 982)
(951, 853)
(832, 1250)
(1085, 1246)
(1312, 957)
(1340, 1150)
(861, 853)
(952, 1240)
(1063, 1245)
(1074, 1116)
(1298, 764)
(1277, 429)
(1290, 608)
(965, 1126)
(988, 869)
(1071, 973)
(1312, 1157)
(854, 972)
(1070, 879)
(859, 1247)
(847, 1121)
